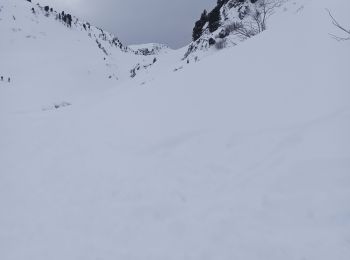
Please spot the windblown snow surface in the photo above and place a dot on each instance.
(242, 155)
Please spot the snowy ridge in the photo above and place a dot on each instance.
(238, 12)
(74, 56)
(150, 48)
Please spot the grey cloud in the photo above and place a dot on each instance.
(141, 21)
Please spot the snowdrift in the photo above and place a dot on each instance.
(243, 155)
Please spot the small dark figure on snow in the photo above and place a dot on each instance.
(2, 78)
(8, 80)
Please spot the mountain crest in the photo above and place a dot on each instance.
(230, 22)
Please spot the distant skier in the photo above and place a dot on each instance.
(2, 78)
(9, 80)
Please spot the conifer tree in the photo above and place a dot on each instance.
(198, 28)
(214, 18)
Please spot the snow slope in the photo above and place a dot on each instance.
(243, 155)
(240, 12)
(42, 55)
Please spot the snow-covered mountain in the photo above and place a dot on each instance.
(150, 48)
(58, 57)
(244, 154)
(233, 21)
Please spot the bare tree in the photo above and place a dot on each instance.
(262, 11)
(337, 24)
(242, 30)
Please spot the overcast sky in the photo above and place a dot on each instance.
(140, 21)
